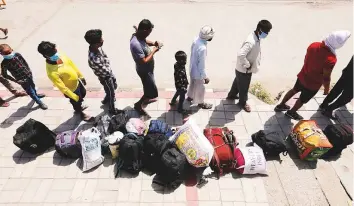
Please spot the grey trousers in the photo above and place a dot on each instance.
(240, 86)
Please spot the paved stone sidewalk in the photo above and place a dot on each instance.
(52, 180)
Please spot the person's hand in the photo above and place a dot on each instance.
(155, 49)
(206, 80)
(83, 80)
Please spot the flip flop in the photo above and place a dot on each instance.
(205, 106)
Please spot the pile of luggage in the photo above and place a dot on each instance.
(172, 153)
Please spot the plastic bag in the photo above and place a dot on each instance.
(136, 125)
(255, 162)
(91, 148)
(191, 142)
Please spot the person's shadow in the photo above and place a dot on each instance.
(19, 114)
(223, 113)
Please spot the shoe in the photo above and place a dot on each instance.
(139, 109)
(40, 96)
(43, 106)
(281, 108)
(293, 115)
(329, 114)
(173, 103)
(232, 98)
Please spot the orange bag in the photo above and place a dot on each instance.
(309, 139)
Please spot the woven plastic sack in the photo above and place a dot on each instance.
(91, 148)
(191, 141)
(250, 160)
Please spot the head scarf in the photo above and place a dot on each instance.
(336, 39)
(206, 33)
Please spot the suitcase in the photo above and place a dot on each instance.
(224, 143)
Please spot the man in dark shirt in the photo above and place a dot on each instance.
(181, 81)
(100, 64)
(342, 92)
(21, 73)
(145, 63)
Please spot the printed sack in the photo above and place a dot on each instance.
(135, 125)
(250, 160)
(310, 141)
(190, 140)
(91, 148)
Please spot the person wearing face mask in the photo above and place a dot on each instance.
(198, 77)
(21, 73)
(248, 62)
(65, 76)
(319, 62)
(100, 64)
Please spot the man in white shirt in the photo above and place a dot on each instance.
(196, 90)
(248, 62)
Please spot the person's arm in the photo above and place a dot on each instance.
(54, 77)
(150, 43)
(242, 54)
(201, 62)
(138, 51)
(6, 75)
(327, 71)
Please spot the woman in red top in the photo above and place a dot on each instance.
(319, 61)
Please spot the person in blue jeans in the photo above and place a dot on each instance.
(181, 81)
(21, 73)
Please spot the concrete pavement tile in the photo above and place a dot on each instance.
(275, 191)
(152, 107)
(156, 114)
(257, 204)
(178, 119)
(42, 191)
(180, 194)
(48, 161)
(322, 121)
(272, 128)
(302, 188)
(89, 191)
(31, 190)
(209, 203)
(344, 169)
(127, 204)
(2, 183)
(151, 196)
(263, 108)
(124, 189)
(5, 172)
(175, 204)
(135, 190)
(232, 108)
(312, 105)
(170, 118)
(63, 184)
(151, 204)
(238, 204)
(16, 184)
(105, 196)
(44, 172)
(253, 190)
(232, 195)
(58, 196)
(209, 192)
(108, 184)
(10, 196)
(162, 104)
(217, 114)
(9, 161)
(78, 191)
(330, 184)
(230, 184)
(234, 118)
(73, 170)
(217, 122)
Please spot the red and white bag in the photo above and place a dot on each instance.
(250, 160)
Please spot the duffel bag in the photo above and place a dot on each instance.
(67, 144)
(34, 137)
(310, 141)
(224, 143)
(340, 136)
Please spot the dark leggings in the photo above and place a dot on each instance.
(342, 92)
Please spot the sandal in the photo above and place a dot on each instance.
(205, 106)
(20, 94)
(247, 108)
(4, 104)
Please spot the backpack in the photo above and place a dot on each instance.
(340, 136)
(102, 124)
(130, 154)
(34, 137)
(174, 169)
(118, 122)
(272, 143)
(158, 126)
(154, 146)
(224, 143)
(309, 139)
(67, 144)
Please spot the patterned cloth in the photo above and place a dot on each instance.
(181, 81)
(18, 68)
(100, 64)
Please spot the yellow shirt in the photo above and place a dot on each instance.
(65, 76)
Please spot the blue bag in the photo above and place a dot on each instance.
(158, 126)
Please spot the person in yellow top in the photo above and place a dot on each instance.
(65, 76)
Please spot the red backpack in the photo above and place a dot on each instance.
(224, 143)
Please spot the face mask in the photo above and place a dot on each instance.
(54, 58)
(263, 35)
(9, 56)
